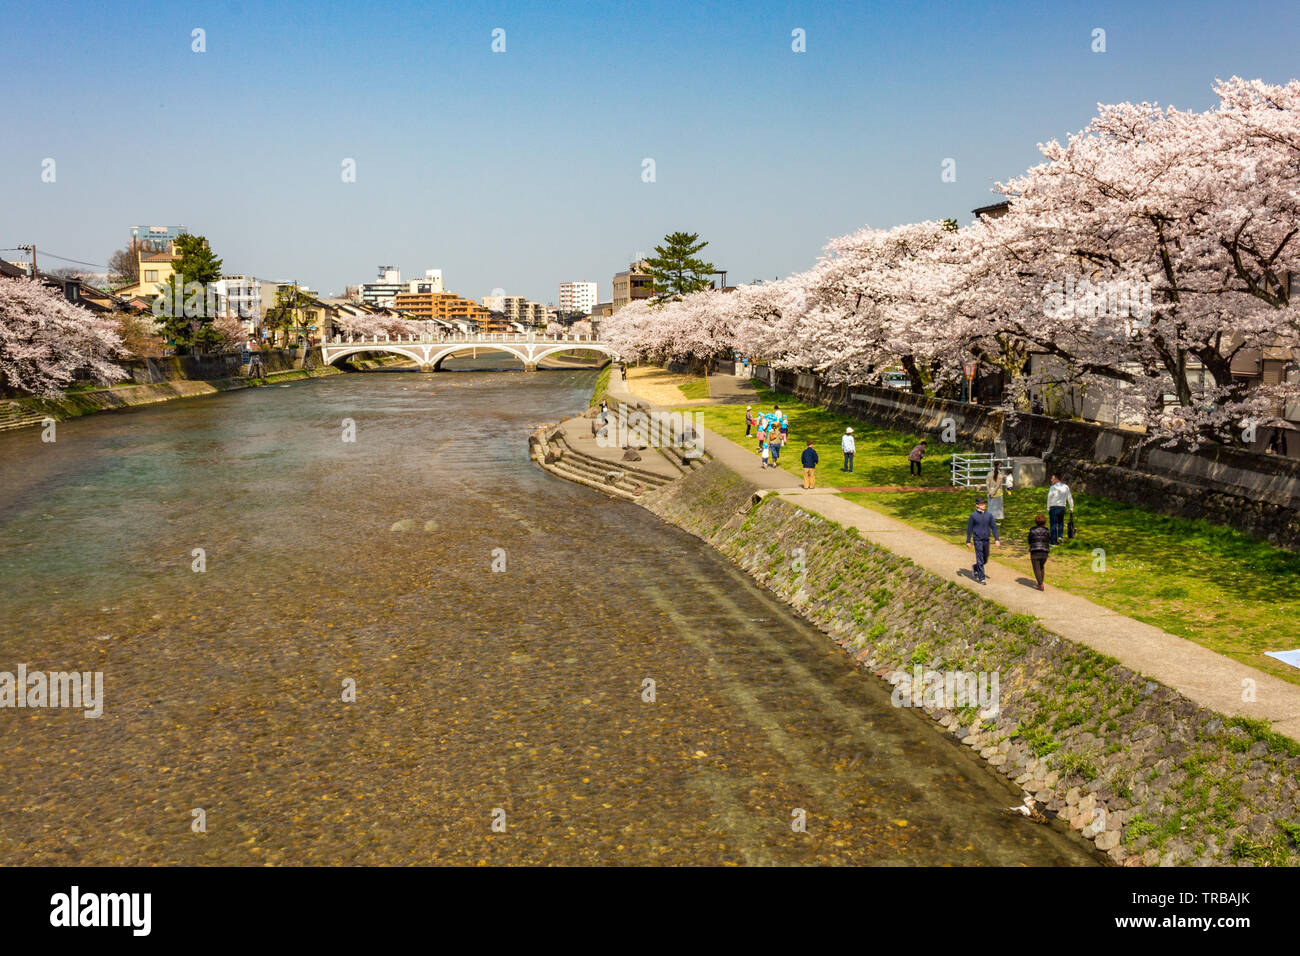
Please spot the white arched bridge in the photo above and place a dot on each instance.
(428, 351)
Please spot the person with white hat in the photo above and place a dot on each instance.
(849, 449)
(749, 419)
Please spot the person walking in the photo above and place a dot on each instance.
(1040, 546)
(914, 459)
(785, 429)
(761, 422)
(994, 484)
(1059, 500)
(775, 440)
(980, 526)
(604, 412)
(809, 461)
(749, 419)
(765, 455)
(849, 448)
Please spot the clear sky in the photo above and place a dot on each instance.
(522, 169)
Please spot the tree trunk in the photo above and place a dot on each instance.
(913, 373)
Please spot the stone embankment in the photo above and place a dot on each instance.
(1148, 776)
(23, 412)
(572, 450)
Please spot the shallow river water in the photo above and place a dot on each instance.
(510, 697)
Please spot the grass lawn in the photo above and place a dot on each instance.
(602, 384)
(699, 388)
(1213, 585)
(881, 458)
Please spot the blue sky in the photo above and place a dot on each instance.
(522, 169)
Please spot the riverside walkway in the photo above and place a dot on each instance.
(1208, 678)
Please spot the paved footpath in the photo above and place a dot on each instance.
(727, 389)
(1206, 677)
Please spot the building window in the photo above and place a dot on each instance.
(150, 275)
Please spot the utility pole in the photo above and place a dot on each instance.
(32, 250)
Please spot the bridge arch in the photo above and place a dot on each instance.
(459, 347)
(413, 352)
(574, 347)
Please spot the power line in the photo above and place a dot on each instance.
(93, 265)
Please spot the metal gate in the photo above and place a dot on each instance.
(970, 471)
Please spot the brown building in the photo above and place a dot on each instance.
(498, 322)
(444, 306)
(631, 286)
(995, 211)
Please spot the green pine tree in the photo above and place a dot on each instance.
(284, 316)
(674, 270)
(187, 321)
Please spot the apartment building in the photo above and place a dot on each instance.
(578, 297)
(245, 298)
(442, 306)
(432, 282)
(517, 309)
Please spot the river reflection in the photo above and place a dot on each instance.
(326, 562)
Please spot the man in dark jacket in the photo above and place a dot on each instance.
(1040, 545)
(979, 527)
(809, 460)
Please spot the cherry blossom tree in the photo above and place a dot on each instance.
(46, 342)
(1153, 248)
(229, 334)
(1161, 240)
(383, 323)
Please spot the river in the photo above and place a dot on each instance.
(498, 714)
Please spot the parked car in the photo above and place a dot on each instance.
(896, 378)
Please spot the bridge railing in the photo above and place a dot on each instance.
(506, 338)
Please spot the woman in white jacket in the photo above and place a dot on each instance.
(849, 449)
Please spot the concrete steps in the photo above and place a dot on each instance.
(620, 479)
(617, 489)
(634, 482)
(616, 479)
(683, 466)
(645, 476)
(13, 415)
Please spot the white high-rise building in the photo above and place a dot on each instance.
(386, 289)
(432, 282)
(578, 297)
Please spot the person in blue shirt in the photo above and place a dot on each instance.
(809, 460)
(979, 527)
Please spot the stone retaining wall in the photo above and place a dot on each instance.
(1147, 775)
(76, 404)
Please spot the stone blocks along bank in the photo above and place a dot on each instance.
(1148, 776)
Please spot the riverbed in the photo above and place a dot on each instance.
(416, 647)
